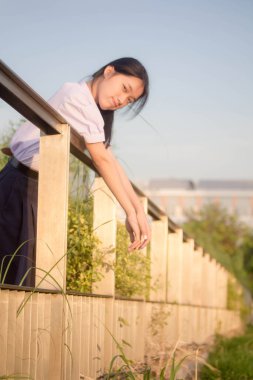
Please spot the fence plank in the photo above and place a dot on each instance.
(175, 252)
(151, 326)
(225, 287)
(53, 208)
(187, 263)
(158, 256)
(196, 276)
(19, 296)
(104, 224)
(205, 287)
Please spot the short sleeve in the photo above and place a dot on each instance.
(83, 115)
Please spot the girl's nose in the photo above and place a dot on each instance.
(123, 100)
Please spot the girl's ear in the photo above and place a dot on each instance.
(108, 72)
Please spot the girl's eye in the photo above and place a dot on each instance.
(124, 88)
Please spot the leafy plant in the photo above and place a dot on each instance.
(122, 368)
(235, 299)
(85, 257)
(232, 357)
(7, 262)
(225, 238)
(159, 320)
(132, 270)
(5, 140)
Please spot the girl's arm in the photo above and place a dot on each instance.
(142, 219)
(126, 183)
(105, 163)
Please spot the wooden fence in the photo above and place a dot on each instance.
(53, 334)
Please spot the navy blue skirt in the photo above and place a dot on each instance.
(18, 217)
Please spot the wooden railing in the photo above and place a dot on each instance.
(192, 287)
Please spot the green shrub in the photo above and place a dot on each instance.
(84, 260)
(5, 139)
(233, 359)
(85, 256)
(81, 268)
(235, 299)
(132, 269)
(225, 238)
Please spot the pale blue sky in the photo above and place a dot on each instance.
(199, 55)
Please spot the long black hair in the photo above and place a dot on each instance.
(127, 66)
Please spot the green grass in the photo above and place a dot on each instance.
(232, 357)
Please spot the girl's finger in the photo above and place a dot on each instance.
(135, 245)
(131, 234)
(143, 242)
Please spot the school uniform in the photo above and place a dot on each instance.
(19, 181)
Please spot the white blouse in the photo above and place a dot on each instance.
(76, 104)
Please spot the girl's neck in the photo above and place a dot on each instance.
(92, 84)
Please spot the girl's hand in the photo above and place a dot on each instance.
(133, 229)
(144, 228)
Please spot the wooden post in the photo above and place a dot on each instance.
(212, 282)
(225, 288)
(205, 280)
(53, 209)
(104, 224)
(191, 252)
(174, 282)
(215, 285)
(171, 269)
(186, 295)
(196, 276)
(219, 286)
(144, 202)
(158, 255)
(105, 227)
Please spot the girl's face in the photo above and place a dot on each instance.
(114, 90)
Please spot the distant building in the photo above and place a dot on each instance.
(177, 196)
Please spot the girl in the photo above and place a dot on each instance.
(88, 108)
